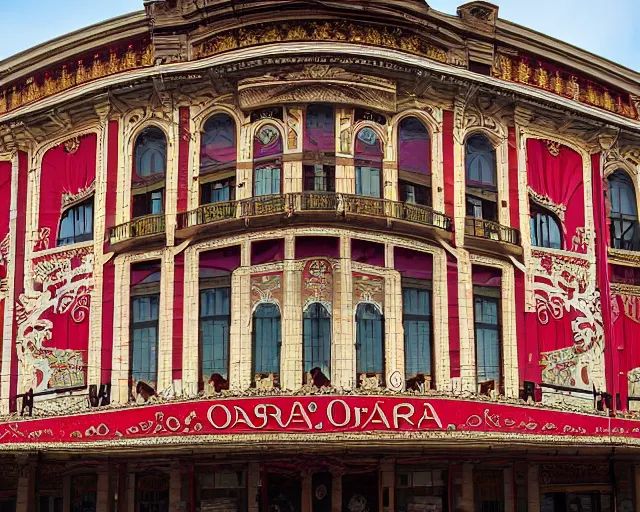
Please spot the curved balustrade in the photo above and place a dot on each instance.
(136, 228)
(308, 202)
(491, 230)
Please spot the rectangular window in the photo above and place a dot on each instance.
(488, 488)
(319, 178)
(76, 224)
(368, 181)
(144, 339)
(487, 333)
(221, 489)
(148, 203)
(215, 323)
(267, 180)
(218, 191)
(414, 193)
(84, 490)
(416, 309)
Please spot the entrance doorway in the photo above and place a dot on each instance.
(360, 492)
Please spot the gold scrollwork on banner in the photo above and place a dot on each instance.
(68, 75)
(319, 31)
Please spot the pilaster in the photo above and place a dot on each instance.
(343, 353)
(533, 490)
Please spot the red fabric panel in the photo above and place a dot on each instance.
(414, 264)
(514, 201)
(449, 170)
(112, 174)
(108, 291)
(603, 278)
(219, 261)
(560, 179)
(316, 246)
(145, 272)
(267, 251)
(178, 315)
(267, 142)
(625, 333)
(414, 146)
(320, 127)
(486, 276)
(183, 159)
(454, 315)
(63, 174)
(367, 252)
(21, 226)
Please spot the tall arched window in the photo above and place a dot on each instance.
(317, 341)
(266, 342)
(624, 212)
(267, 160)
(368, 163)
(319, 158)
(414, 162)
(148, 178)
(369, 342)
(545, 227)
(481, 180)
(76, 223)
(218, 160)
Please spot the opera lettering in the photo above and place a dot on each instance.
(338, 414)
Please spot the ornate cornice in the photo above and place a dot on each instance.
(630, 258)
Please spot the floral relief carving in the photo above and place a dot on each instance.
(564, 287)
(64, 284)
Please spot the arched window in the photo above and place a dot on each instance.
(368, 163)
(317, 342)
(148, 180)
(267, 159)
(414, 162)
(369, 342)
(319, 149)
(545, 228)
(76, 224)
(266, 342)
(218, 160)
(481, 181)
(624, 212)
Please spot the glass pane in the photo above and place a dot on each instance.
(150, 153)
(369, 340)
(417, 331)
(480, 160)
(317, 339)
(215, 324)
(218, 144)
(267, 339)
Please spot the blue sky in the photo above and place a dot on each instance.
(604, 28)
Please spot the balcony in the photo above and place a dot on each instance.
(311, 208)
(482, 234)
(149, 228)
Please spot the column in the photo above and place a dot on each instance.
(390, 180)
(533, 490)
(336, 493)
(509, 498)
(466, 503)
(120, 361)
(343, 350)
(102, 497)
(291, 354)
(240, 330)
(175, 488)
(307, 491)
(26, 495)
(253, 486)
(394, 330)
(165, 331)
(190, 341)
(387, 480)
(467, 337)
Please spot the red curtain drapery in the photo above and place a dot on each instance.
(66, 171)
(555, 172)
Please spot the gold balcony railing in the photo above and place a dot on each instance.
(491, 230)
(136, 228)
(305, 202)
(207, 214)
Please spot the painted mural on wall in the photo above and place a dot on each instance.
(53, 321)
(625, 312)
(266, 289)
(368, 289)
(5, 236)
(317, 283)
(569, 329)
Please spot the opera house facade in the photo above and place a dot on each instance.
(302, 256)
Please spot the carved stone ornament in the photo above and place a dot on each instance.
(558, 209)
(479, 15)
(318, 84)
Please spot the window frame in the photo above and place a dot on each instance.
(425, 286)
(254, 342)
(207, 285)
(150, 290)
(494, 295)
(621, 178)
(359, 342)
(536, 214)
(310, 363)
(84, 237)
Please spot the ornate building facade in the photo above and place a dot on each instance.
(396, 253)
